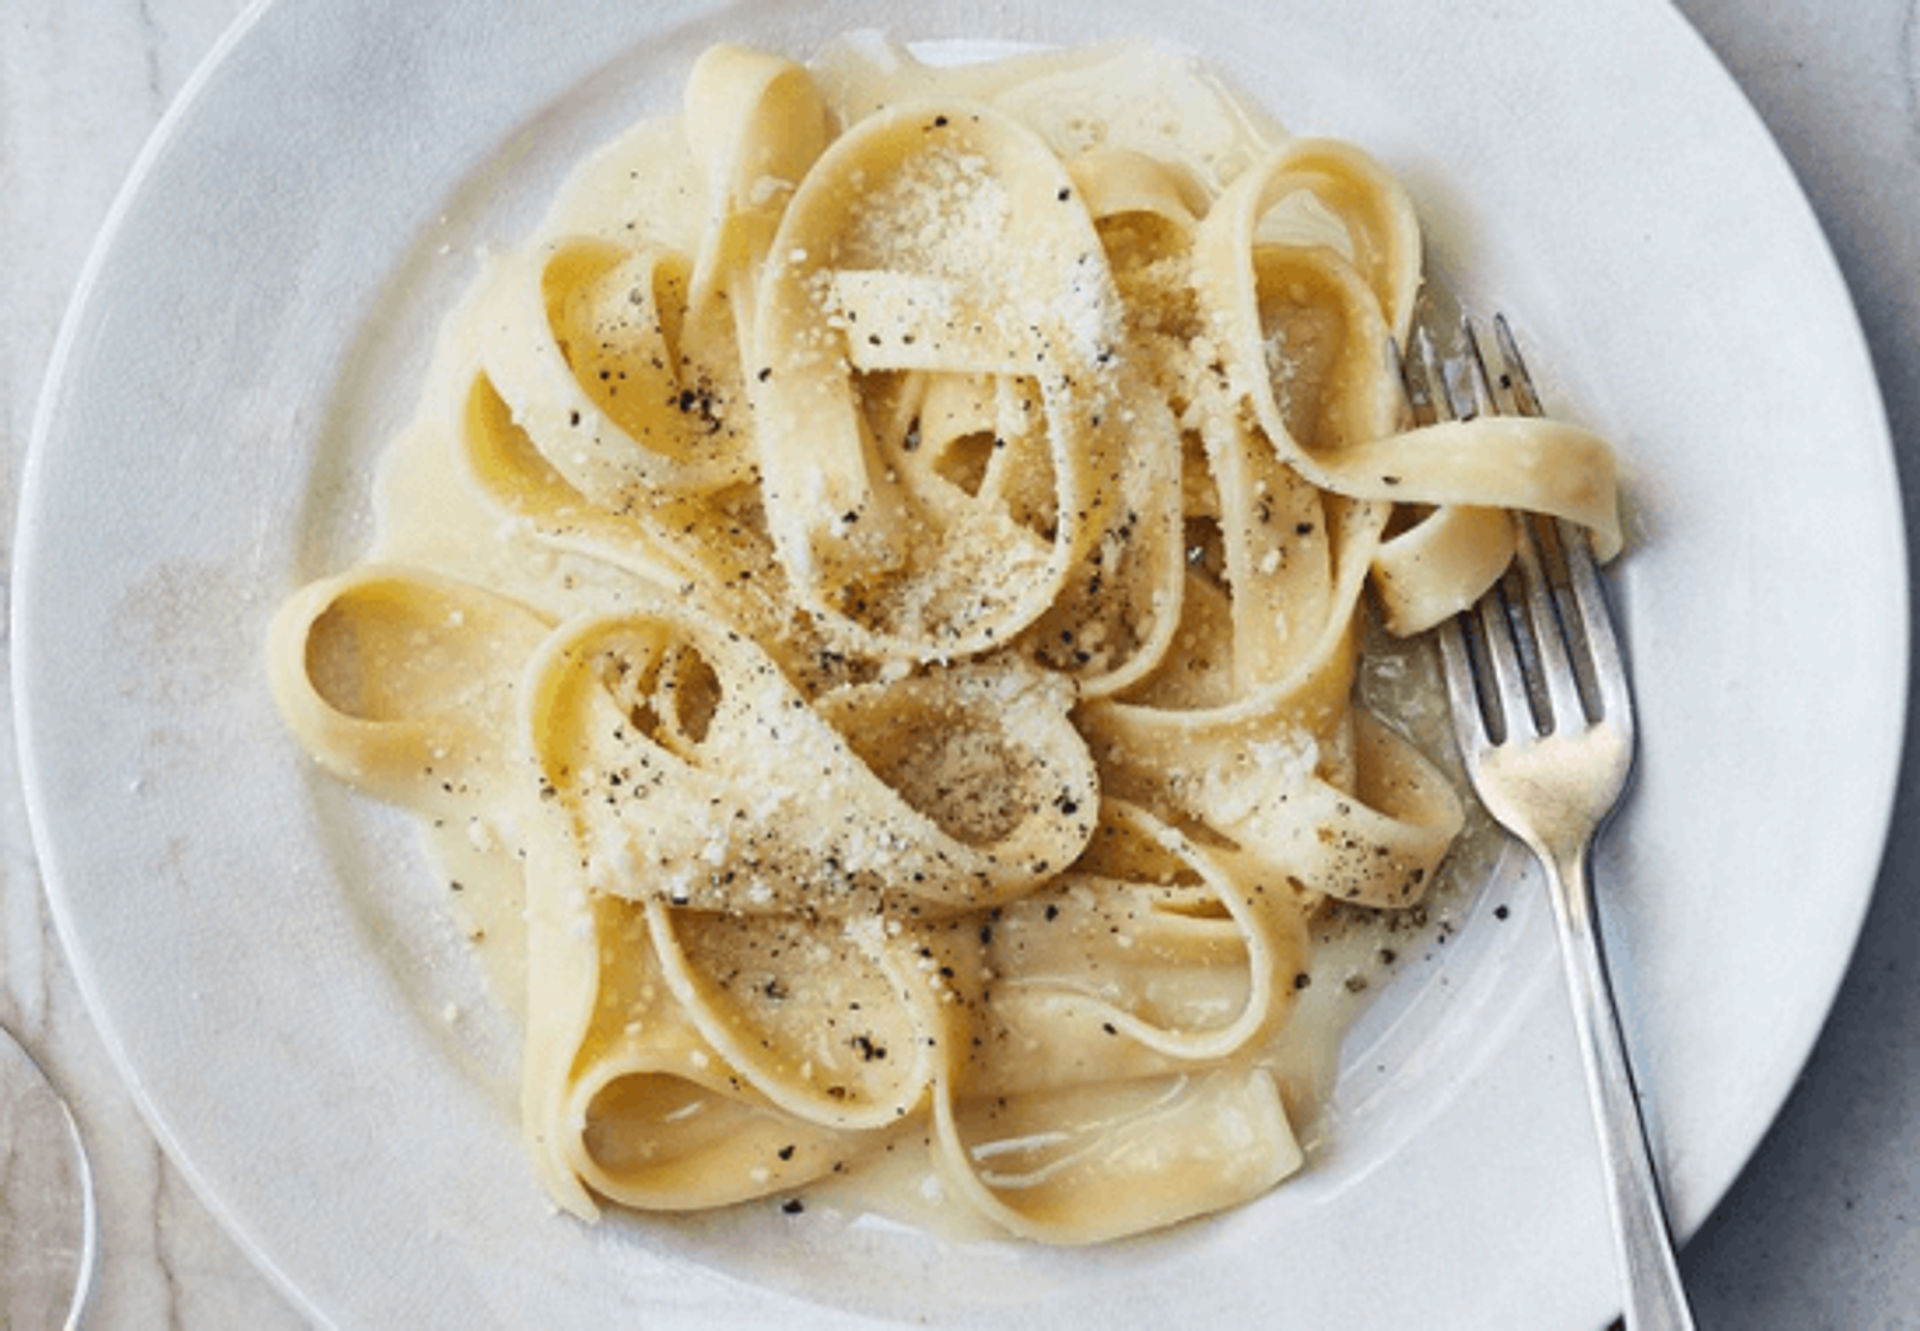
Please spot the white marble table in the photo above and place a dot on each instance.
(1823, 1229)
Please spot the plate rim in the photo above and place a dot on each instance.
(29, 535)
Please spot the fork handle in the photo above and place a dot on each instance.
(1655, 1299)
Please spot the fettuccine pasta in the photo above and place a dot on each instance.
(880, 573)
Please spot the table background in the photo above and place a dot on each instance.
(1823, 1228)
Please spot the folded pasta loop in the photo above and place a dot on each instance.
(835, 1021)
(692, 771)
(1354, 812)
(1273, 589)
(1304, 330)
(627, 392)
(1125, 182)
(1327, 194)
(1153, 954)
(1268, 750)
(403, 682)
(1431, 570)
(755, 123)
(1088, 1163)
(1375, 838)
(1099, 1099)
(710, 548)
(1114, 620)
(897, 254)
(623, 1097)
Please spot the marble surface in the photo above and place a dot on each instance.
(1819, 1232)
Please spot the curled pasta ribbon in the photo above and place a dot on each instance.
(625, 392)
(1180, 975)
(690, 770)
(1115, 618)
(1088, 1163)
(682, 1059)
(623, 1096)
(498, 458)
(1356, 812)
(1303, 332)
(1126, 183)
(403, 682)
(837, 1022)
(622, 364)
(710, 549)
(1439, 564)
(1316, 193)
(714, 545)
(1265, 747)
(897, 255)
(1375, 838)
(1273, 576)
(1149, 946)
(755, 123)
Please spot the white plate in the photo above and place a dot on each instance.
(268, 962)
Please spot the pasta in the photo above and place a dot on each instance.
(879, 575)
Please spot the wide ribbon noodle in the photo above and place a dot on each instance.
(881, 575)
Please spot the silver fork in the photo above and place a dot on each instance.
(1544, 719)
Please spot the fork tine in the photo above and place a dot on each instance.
(1432, 398)
(1547, 615)
(1504, 675)
(1471, 725)
(1476, 366)
(1464, 402)
(1479, 673)
(1521, 380)
(1612, 696)
(1419, 411)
